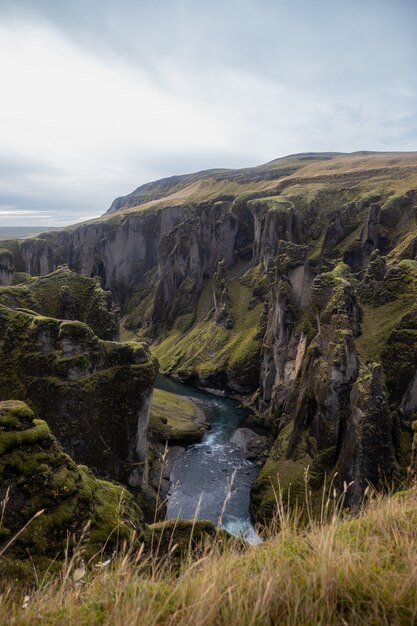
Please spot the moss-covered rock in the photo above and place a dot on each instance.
(178, 538)
(69, 296)
(37, 475)
(332, 415)
(94, 394)
(174, 419)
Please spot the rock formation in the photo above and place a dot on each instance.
(68, 296)
(94, 394)
(38, 477)
(6, 267)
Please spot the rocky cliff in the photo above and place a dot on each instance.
(6, 267)
(53, 509)
(66, 295)
(94, 394)
(292, 284)
(38, 478)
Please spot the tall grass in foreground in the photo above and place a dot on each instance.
(333, 571)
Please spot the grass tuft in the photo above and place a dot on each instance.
(337, 570)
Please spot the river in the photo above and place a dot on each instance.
(202, 477)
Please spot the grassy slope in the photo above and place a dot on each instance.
(173, 418)
(389, 172)
(208, 347)
(358, 571)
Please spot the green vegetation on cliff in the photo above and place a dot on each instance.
(94, 394)
(63, 294)
(36, 475)
(211, 350)
(174, 419)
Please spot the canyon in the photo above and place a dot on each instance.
(290, 287)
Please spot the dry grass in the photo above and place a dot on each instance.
(339, 571)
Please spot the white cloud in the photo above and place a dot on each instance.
(68, 107)
(78, 128)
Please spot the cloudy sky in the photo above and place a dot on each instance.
(99, 96)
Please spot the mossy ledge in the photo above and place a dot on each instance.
(94, 394)
(37, 475)
(63, 294)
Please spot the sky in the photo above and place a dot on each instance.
(100, 96)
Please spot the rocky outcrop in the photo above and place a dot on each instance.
(370, 235)
(221, 298)
(7, 268)
(342, 222)
(273, 221)
(255, 447)
(68, 296)
(49, 497)
(283, 349)
(94, 394)
(333, 417)
(367, 455)
(188, 256)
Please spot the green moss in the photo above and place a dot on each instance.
(65, 294)
(207, 348)
(40, 476)
(280, 477)
(173, 418)
(79, 383)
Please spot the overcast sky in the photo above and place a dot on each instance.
(99, 96)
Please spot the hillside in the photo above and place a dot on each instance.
(308, 169)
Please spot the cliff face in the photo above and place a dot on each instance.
(94, 394)
(37, 476)
(119, 251)
(293, 284)
(6, 267)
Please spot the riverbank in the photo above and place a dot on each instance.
(176, 420)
